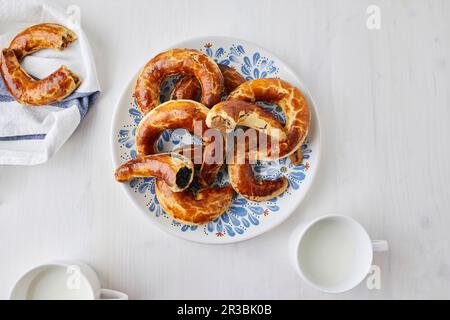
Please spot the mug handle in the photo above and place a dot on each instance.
(108, 294)
(380, 245)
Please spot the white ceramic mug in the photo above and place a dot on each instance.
(333, 253)
(62, 280)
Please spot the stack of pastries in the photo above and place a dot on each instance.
(210, 96)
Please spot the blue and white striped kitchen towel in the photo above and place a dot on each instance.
(32, 135)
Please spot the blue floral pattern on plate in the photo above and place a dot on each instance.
(242, 214)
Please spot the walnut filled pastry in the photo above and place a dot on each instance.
(24, 88)
(290, 99)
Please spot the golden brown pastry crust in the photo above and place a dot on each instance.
(178, 62)
(290, 99)
(173, 114)
(231, 78)
(297, 157)
(41, 36)
(24, 88)
(244, 182)
(29, 91)
(189, 88)
(194, 208)
(177, 114)
(174, 169)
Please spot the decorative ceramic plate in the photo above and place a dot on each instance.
(244, 219)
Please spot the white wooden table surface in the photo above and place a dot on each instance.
(384, 102)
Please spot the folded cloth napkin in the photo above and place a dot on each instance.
(32, 135)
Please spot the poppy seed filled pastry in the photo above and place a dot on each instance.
(174, 169)
(24, 88)
(178, 62)
(178, 114)
(200, 203)
(207, 170)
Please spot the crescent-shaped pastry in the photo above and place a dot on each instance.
(174, 169)
(243, 179)
(189, 88)
(178, 114)
(194, 208)
(290, 99)
(178, 62)
(244, 182)
(29, 91)
(173, 114)
(41, 36)
(24, 88)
